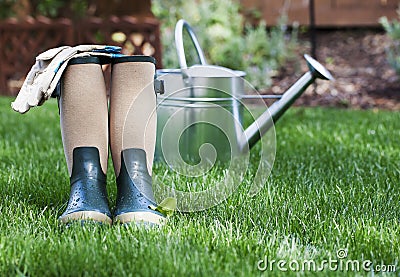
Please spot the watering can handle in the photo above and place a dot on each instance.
(179, 43)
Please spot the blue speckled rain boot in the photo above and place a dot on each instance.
(84, 131)
(88, 196)
(134, 191)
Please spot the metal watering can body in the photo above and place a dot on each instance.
(191, 119)
(201, 113)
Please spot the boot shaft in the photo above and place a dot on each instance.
(133, 116)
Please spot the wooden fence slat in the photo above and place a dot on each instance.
(328, 13)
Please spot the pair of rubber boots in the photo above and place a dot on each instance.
(88, 195)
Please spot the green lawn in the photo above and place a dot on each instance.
(334, 185)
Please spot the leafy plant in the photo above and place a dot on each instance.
(226, 39)
(6, 8)
(53, 8)
(50, 7)
(392, 29)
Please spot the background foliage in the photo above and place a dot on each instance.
(49, 8)
(52, 8)
(225, 37)
(392, 28)
(6, 8)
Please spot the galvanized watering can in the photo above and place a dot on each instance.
(202, 106)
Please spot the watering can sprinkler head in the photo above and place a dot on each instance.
(317, 69)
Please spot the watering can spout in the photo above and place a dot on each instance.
(266, 120)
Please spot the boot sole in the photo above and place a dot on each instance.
(86, 215)
(140, 217)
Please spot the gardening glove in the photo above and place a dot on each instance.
(48, 69)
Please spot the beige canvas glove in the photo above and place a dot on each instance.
(21, 102)
(47, 71)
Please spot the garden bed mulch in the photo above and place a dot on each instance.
(357, 60)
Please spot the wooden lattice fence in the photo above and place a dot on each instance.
(21, 41)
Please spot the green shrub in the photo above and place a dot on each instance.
(49, 8)
(53, 8)
(392, 29)
(225, 38)
(6, 8)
